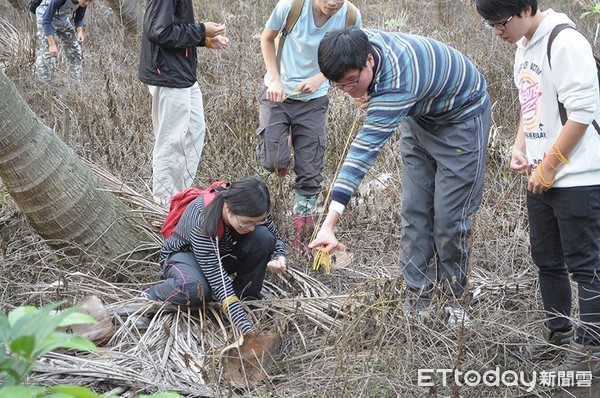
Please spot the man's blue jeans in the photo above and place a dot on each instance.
(564, 226)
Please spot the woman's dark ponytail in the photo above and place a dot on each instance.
(211, 215)
(248, 197)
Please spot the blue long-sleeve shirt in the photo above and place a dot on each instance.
(59, 7)
(420, 77)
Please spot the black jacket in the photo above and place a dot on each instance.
(169, 41)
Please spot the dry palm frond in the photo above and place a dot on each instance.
(178, 348)
(14, 44)
(173, 348)
(484, 285)
(143, 205)
(141, 359)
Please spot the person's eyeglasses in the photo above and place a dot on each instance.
(348, 85)
(242, 225)
(497, 25)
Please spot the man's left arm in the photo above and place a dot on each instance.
(78, 20)
(161, 29)
(49, 16)
(384, 115)
(78, 17)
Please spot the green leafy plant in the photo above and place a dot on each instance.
(593, 9)
(28, 333)
(395, 23)
(3, 198)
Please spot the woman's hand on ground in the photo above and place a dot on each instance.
(277, 265)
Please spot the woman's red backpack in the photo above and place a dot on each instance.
(182, 199)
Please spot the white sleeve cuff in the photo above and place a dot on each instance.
(337, 207)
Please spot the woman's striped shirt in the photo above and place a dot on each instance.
(187, 237)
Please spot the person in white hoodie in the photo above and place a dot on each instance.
(562, 163)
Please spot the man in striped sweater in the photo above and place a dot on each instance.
(443, 99)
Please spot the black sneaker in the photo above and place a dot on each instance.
(548, 348)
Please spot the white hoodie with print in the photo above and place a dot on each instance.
(573, 76)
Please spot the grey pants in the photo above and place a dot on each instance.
(442, 184)
(179, 132)
(306, 122)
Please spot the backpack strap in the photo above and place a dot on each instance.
(561, 108)
(178, 204)
(557, 29)
(182, 199)
(351, 15)
(293, 16)
(208, 197)
(290, 22)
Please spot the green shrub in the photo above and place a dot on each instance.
(593, 9)
(28, 333)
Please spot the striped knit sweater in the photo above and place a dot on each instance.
(418, 77)
(187, 237)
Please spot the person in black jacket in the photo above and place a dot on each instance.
(168, 66)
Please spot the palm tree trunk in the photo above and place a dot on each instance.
(129, 13)
(452, 13)
(21, 4)
(61, 198)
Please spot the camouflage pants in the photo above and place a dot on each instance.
(63, 30)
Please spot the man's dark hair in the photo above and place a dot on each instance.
(341, 51)
(495, 10)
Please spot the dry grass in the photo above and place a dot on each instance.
(367, 347)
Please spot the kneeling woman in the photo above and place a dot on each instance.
(197, 264)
